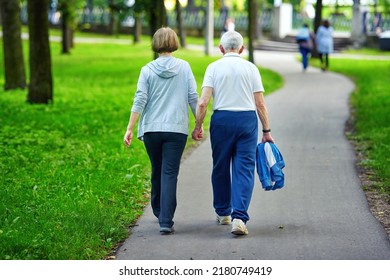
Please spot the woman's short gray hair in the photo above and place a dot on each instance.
(232, 40)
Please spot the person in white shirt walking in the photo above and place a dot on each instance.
(237, 90)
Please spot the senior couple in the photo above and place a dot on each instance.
(166, 87)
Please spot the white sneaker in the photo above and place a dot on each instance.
(166, 230)
(224, 220)
(239, 228)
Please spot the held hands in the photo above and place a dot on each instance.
(127, 138)
(197, 134)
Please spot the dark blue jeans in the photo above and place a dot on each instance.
(233, 137)
(305, 54)
(165, 150)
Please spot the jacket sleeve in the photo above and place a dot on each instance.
(141, 95)
(262, 167)
(192, 93)
(277, 174)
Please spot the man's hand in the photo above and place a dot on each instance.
(197, 134)
(267, 138)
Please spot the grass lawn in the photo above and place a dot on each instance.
(367, 51)
(69, 188)
(371, 112)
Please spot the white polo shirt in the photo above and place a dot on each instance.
(234, 80)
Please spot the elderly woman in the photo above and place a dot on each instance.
(166, 86)
(324, 40)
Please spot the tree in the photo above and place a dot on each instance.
(68, 10)
(317, 23)
(12, 44)
(137, 32)
(318, 15)
(64, 8)
(385, 4)
(117, 8)
(209, 32)
(158, 15)
(190, 5)
(180, 25)
(89, 5)
(138, 11)
(252, 19)
(40, 89)
(155, 13)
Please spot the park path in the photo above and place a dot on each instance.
(322, 212)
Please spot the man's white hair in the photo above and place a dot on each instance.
(232, 40)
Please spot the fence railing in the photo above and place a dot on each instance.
(100, 16)
(197, 20)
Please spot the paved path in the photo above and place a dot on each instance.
(322, 213)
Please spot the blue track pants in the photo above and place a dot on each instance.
(233, 138)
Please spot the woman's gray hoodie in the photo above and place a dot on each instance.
(166, 86)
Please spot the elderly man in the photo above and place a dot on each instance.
(237, 90)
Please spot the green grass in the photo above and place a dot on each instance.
(367, 51)
(69, 188)
(371, 113)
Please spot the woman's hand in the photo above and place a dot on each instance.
(127, 138)
(197, 134)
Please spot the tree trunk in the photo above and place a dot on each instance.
(256, 33)
(251, 23)
(153, 25)
(158, 17)
(65, 31)
(190, 6)
(317, 23)
(137, 28)
(111, 24)
(14, 69)
(180, 25)
(209, 32)
(66, 9)
(90, 5)
(162, 13)
(71, 37)
(260, 29)
(318, 15)
(40, 89)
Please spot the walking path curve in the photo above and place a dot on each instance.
(322, 212)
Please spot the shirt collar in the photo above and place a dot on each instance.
(231, 54)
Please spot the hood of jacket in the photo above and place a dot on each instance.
(165, 66)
